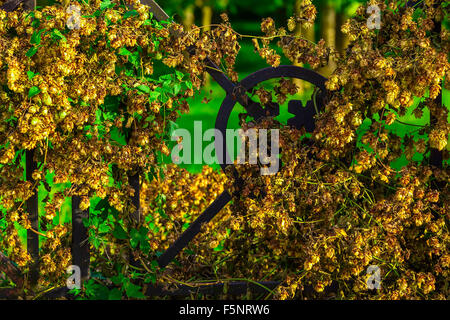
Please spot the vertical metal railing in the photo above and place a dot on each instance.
(33, 216)
(80, 238)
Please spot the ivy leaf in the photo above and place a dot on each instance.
(119, 233)
(134, 58)
(154, 95)
(143, 88)
(31, 75)
(101, 204)
(3, 224)
(98, 292)
(219, 247)
(131, 13)
(118, 280)
(124, 52)
(134, 238)
(133, 291)
(36, 37)
(139, 237)
(115, 294)
(150, 277)
(95, 242)
(176, 88)
(112, 103)
(35, 24)
(31, 52)
(106, 4)
(57, 35)
(104, 228)
(33, 91)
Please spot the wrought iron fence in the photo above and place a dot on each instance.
(235, 93)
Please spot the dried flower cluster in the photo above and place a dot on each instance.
(94, 106)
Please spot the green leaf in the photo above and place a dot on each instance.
(124, 52)
(134, 58)
(165, 77)
(31, 52)
(95, 242)
(144, 88)
(154, 95)
(104, 228)
(134, 238)
(3, 224)
(140, 237)
(106, 4)
(115, 294)
(130, 14)
(56, 34)
(143, 231)
(176, 88)
(133, 291)
(33, 91)
(179, 75)
(118, 279)
(150, 277)
(101, 204)
(119, 232)
(35, 24)
(162, 213)
(112, 103)
(31, 75)
(36, 37)
(150, 118)
(100, 292)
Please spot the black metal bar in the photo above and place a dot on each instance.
(233, 288)
(212, 68)
(303, 116)
(217, 74)
(436, 156)
(253, 108)
(158, 13)
(80, 238)
(33, 216)
(194, 229)
(133, 180)
(12, 5)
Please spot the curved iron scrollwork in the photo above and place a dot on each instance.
(303, 117)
